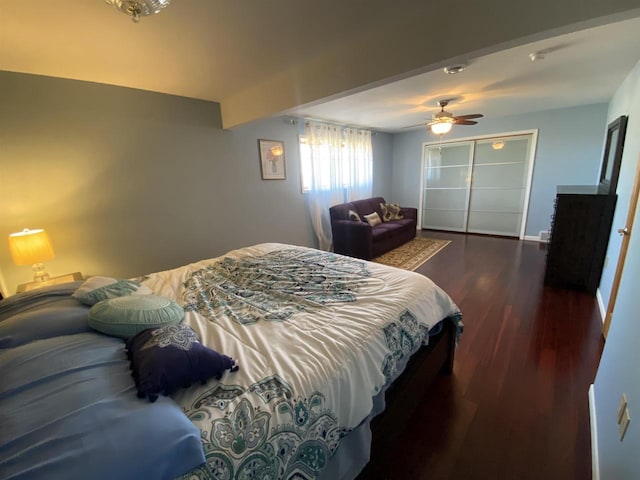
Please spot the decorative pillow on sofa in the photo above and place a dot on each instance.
(95, 289)
(390, 211)
(353, 215)
(172, 357)
(373, 219)
(126, 316)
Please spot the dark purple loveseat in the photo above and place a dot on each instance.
(359, 239)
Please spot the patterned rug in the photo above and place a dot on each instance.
(412, 254)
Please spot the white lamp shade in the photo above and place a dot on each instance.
(441, 128)
(30, 246)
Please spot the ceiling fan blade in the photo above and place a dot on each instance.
(470, 116)
(423, 124)
(464, 122)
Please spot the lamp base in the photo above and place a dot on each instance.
(70, 277)
(39, 274)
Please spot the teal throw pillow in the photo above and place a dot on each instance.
(126, 316)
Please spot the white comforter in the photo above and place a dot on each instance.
(316, 336)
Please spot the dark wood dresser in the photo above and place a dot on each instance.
(580, 230)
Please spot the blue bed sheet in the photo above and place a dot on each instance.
(68, 405)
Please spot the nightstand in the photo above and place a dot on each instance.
(70, 277)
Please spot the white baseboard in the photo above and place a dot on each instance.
(601, 307)
(533, 238)
(595, 459)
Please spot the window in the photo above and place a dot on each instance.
(336, 167)
(325, 164)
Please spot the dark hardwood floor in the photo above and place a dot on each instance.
(516, 406)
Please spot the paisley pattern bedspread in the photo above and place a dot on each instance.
(316, 336)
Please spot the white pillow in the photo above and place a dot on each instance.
(95, 289)
(373, 219)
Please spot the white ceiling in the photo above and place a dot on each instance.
(265, 57)
(580, 68)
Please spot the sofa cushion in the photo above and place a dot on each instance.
(367, 206)
(373, 219)
(353, 215)
(384, 230)
(390, 211)
(405, 222)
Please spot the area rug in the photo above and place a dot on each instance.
(412, 254)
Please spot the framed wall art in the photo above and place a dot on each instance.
(272, 163)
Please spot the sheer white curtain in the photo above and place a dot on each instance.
(338, 167)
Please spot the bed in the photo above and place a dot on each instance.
(321, 341)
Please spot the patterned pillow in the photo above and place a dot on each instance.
(126, 316)
(373, 219)
(166, 359)
(390, 211)
(353, 215)
(95, 289)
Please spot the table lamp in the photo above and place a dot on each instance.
(32, 247)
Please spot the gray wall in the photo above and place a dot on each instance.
(129, 182)
(620, 363)
(383, 165)
(568, 152)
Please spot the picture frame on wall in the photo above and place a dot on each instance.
(272, 161)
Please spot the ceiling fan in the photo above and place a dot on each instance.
(443, 120)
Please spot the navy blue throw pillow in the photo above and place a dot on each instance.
(172, 357)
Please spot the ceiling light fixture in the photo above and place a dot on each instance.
(497, 145)
(441, 126)
(535, 56)
(139, 8)
(453, 69)
(443, 120)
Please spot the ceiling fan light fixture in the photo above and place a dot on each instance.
(440, 128)
(139, 8)
(537, 56)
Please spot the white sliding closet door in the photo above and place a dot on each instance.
(478, 186)
(446, 179)
(498, 186)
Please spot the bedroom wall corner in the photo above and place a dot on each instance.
(129, 182)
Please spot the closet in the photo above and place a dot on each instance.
(479, 186)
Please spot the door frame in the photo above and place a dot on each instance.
(624, 246)
(532, 158)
